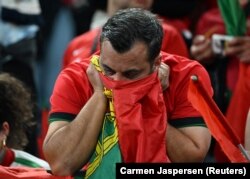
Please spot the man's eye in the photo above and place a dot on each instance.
(108, 72)
(131, 75)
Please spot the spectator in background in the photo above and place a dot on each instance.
(20, 21)
(88, 43)
(224, 67)
(16, 113)
(182, 14)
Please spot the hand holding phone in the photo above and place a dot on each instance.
(219, 43)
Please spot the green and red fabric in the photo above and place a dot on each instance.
(235, 23)
(136, 121)
(14, 158)
(177, 110)
(141, 117)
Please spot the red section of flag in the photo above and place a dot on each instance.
(215, 121)
(141, 118)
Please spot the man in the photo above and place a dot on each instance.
(126, 83)
(88, 43)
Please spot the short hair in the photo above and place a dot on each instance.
(16, 108)
(127, 26)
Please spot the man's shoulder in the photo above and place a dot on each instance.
(179, 63)
(182, 68)
(77, 68)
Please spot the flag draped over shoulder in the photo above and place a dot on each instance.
(235, 22)
(215, 121)
(138, 115)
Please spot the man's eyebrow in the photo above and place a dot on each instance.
(107, 67)
(132, 70)
(124, 72)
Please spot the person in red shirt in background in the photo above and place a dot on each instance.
(182, 14)
(224, 68)
(88, 43)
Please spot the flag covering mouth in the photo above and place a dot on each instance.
(137, 117)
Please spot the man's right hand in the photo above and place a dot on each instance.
(94, 78)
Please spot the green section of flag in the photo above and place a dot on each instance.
(107, 153)
(233, 16)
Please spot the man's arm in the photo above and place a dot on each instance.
(68, 146)
(187, 138)
(187, 144)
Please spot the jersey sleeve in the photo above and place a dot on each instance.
(182, 111)
(71, 92)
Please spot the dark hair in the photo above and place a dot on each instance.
(127, 26)
(16, 108)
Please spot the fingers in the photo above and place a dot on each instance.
(94, 78)
(245, 56)
(239, 46)
(163, 74)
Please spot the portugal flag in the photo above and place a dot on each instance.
(134, 128)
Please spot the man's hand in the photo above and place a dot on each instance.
(163, 74)
(94, 78)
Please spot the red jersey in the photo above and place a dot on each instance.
(72, 90)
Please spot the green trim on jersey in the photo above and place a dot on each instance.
(59, 116)
(188, 122)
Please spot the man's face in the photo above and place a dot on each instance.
(131, 65)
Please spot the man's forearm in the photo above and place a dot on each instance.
(69, 148)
